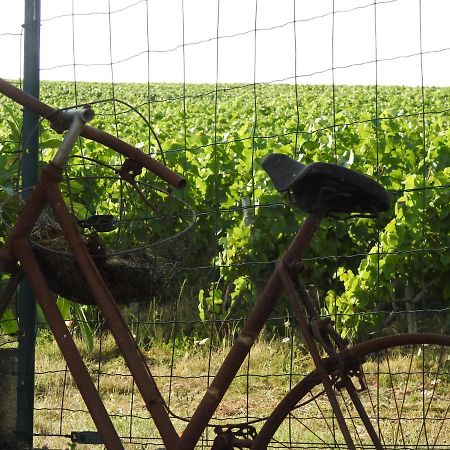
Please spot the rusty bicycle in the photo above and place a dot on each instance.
(350, 387)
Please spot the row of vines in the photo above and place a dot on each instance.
(217, 136)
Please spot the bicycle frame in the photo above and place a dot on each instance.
(17, 257)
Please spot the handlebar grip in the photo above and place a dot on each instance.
(46, 111)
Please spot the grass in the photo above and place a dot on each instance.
(262, 382)
(406, 399)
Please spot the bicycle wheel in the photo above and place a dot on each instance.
(407, 400)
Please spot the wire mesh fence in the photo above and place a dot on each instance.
(210, 95)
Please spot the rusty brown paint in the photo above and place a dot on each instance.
(18, 248)
(10, 289)
(250, 330)
(94, 134)
(99, 414)
(116, 323)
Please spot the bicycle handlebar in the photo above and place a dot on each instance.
(94, 134)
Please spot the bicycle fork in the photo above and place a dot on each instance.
(300, 301)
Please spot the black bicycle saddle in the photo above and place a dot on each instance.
(324, 186)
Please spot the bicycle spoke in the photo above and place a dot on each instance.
(424, 391)
(407, 395)
(352, 419)
(399, 427)
(307, 428)
(373, 408)
(330, 428)
(442, 425)
(399, 413)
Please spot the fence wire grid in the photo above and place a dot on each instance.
(210, 96)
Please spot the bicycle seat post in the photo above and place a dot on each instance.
(76, 119)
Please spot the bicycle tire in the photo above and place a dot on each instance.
(407, 400)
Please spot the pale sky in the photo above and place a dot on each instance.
(209, 41)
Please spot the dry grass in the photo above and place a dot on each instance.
(406, 398)
(262, 382)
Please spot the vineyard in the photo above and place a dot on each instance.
(217, 136)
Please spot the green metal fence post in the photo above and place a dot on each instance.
(26, 301)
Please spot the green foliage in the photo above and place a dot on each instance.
(408, 252)
(78, 314)
(217, 139)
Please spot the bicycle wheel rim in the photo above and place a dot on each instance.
(407, 400)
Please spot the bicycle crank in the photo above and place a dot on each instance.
(230, 437)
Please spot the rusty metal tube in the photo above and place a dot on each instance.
(104, 299)
(23, 251)
(24, 99)
(289, 288)
(246, 338)
(23, 226)
(10, 290)
(97, 135)
(381, 343)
